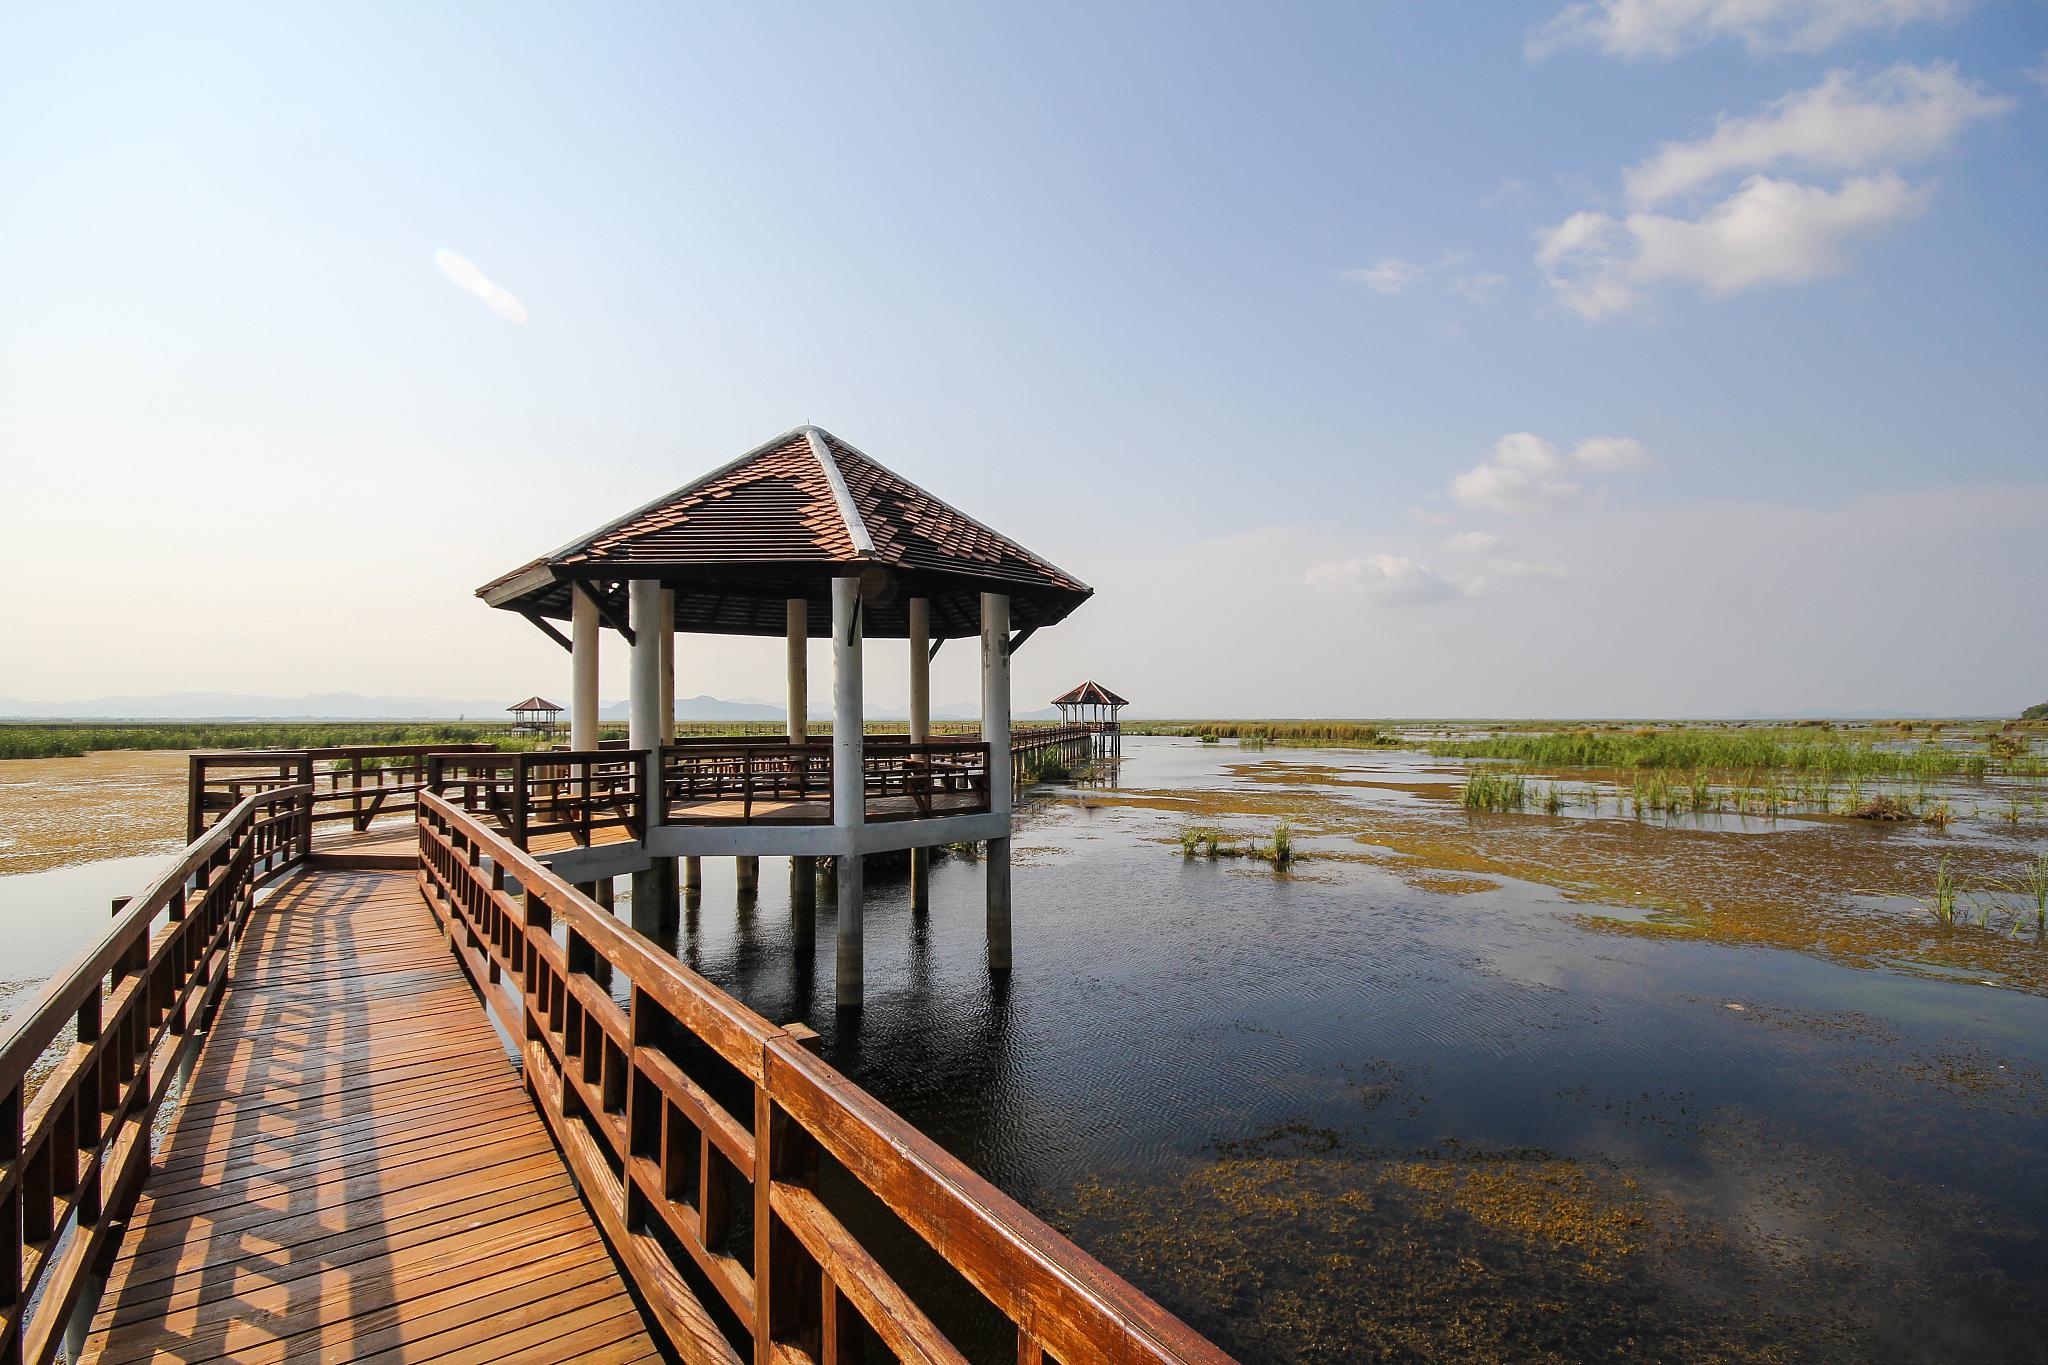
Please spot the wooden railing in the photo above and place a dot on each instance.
(942, 777)
(697, 771)
(681, 1108)
(353, 784)
(553, 792)
(75, 1146)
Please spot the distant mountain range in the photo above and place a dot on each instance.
(354, 706)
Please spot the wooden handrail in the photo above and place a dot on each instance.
(74, 1148)
(659, 1134)
(343, 790)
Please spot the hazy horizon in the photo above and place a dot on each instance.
(1645, 359)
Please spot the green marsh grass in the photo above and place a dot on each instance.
(1495, 791)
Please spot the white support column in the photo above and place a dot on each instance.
(797, 700)
(849, 777)
(644, 680)
(667, 615)
(583, 638)
(652, 889)
(995, 731)
(803, 872)
(920, 670)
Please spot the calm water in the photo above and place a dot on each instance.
(1370, 1110)
(1334, 1116)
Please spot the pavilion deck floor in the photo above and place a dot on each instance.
(356, 1171)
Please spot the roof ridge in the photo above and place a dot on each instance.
(1011, 541)
(849, 512)
(587, 541)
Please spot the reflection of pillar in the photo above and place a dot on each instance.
(995, 732)
(849, 779)
(583, 628)
(653, 889)
(920, 733)
(693, 879)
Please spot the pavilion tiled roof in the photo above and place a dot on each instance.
(1090, 693)
(780, 522)
(534, 704)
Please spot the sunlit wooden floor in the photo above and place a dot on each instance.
(356, 1172)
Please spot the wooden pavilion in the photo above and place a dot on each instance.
(1096, 707)
(804, 537)
(535, 716)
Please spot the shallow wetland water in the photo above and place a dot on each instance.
(1465, 1086)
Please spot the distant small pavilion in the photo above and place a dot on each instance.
(535, 716)
(803, 537)
(1095, 706)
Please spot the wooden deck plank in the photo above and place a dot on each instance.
(357, 1171)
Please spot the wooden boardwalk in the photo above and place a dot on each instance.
(357, 1172)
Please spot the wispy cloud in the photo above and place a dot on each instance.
(1474, 542)
(1393, 275)
(464, 275)
(1767, 232)
(1666, 28)
(1529, 474)
(2038, 72)
(1385, 580)
(1389, 276)
(1843, 124)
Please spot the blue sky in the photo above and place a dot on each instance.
(1646, 356)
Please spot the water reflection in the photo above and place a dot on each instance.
(1348, 1061)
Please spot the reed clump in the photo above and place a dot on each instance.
(1485, 790)
(1699, 749)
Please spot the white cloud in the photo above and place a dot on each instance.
(1665, 28)
(464, 275)
(1500, 194)
(2038, 72)
(1530, 474)
(1844, 124)
(1610, 454)
(1766, 232)
(1474, 542)
(1477, 287)
(1389, 276)
(1391, 580)
(1394, 275)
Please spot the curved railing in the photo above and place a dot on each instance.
(698, 1130)
(76, 1117)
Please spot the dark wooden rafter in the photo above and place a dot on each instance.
(1017, 640)
(611, 607)
(547, 628)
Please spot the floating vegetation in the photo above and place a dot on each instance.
(1883, 807)
(1207, 841)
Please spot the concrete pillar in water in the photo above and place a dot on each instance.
(920, 732)
(995, 731)
(583, 638)
(849, 780)
(747, 872)
(693, 877)
(803, 872)
(653, 889)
